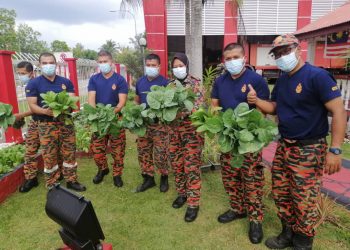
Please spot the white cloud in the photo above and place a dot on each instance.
(91, 35)
(80, 21)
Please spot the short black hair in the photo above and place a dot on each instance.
(152, 56)
(47, 54)
(232, 46)
(104, 53)
(27, 65)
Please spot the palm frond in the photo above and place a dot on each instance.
(133, 4)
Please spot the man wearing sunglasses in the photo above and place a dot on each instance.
(302, 97)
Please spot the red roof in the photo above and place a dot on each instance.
(335, 21)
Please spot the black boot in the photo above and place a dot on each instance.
(118, 182)
(179, 201)
(191, 214)
(302, 242)
(229, 216)
(99, 176)
(76, 186)
(283, 240)
(164, 185)
(61, 177)
(28, 185)
(255, 232)
(148, 182)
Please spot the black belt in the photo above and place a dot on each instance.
(301, 143)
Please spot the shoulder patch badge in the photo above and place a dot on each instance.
(28, 90)
(244, 88)
(114, 87)
(334, 88)
(299, 88)
(64, 87)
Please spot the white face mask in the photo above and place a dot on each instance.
(152, 72)
(235, 66)
(288, 62)
(180, 72)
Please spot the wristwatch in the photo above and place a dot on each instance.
(336, 151)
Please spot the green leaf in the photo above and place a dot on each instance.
(241, 108)
(188, 105)
(245, 136)
(228, 118)
(250, 147)
(214, 124)
(169, 114)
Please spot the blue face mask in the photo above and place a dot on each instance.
(152, 72)
(235, 66)
(287, 63)
(105, 68)
(24, 78)
(48, 69)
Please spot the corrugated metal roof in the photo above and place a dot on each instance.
(336, 20)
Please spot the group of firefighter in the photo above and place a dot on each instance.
(302, 98)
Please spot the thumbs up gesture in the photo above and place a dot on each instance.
(251, 97)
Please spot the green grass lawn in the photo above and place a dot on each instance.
(147, 220)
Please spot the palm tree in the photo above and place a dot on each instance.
(110, 46)
(193, 30)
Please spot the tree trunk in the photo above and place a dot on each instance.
(195, 44)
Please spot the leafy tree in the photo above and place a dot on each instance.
(132, 57)
(78, 50)
(7, 30)
(59, 46)
(28, 40)
(110, 46)
(90, 54)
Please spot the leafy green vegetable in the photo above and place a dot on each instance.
(61, 105)
(82, 132)
(133, 120)
(6, 116)
(166, 102)
(11, 157)
(102, 120)
(208, 121)
(240, 131)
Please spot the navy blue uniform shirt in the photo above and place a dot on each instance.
(40, 85)
(232, 92)
(144, 85)
(107, 90)
(300, 100)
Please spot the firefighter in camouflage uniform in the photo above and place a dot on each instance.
(185, 145)
(301, 98)
(108, 87)
(244, 184)
(25, 73)
(55, 137)
(152, 148)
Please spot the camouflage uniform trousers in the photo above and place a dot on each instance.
(99, 150)
(296, 179)
(244, 185)
(152, 150)
(185, 149)
(32, 144)
(57, 139)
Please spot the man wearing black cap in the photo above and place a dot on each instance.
(302, 98)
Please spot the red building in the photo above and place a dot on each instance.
(256, 22)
